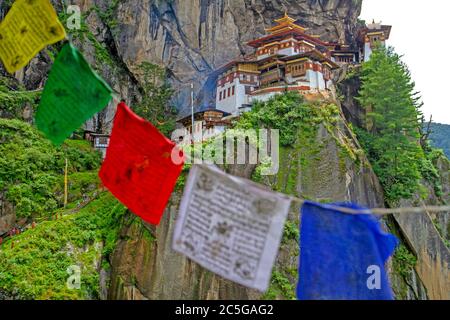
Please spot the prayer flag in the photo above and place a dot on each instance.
(73, 94)
(230, 226)
(342, 256)
(138, 168)
(29, 26)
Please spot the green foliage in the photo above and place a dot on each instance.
(36, 267)
(155, 105)
(284, 112)
(290, 114)
(429, 172)
(404, 261)
(102, 54)
(81, 156)
(291, 232)
(76, 34)
(101, 220)
(108, 15)
(352, 72)
(181, 181)
(31, 167)
(80, 184)
(440, 137)
(280, 288)
(14, 97)
(391, 138)
(298, 123)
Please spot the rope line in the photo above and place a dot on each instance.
(383, 211)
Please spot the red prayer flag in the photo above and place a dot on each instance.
(138, 168)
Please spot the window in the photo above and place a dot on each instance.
(220, 96)
(229, 91)
(232, 91)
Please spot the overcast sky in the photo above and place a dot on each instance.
(420, 32)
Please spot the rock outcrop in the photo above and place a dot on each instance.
(189, 38)
(330, 167)
(192, 38)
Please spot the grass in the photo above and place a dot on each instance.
(36, 267)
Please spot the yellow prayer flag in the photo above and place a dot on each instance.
(29, 26)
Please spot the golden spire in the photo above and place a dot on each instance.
(285, 19)
(285, 23)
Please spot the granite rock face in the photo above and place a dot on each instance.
(192, 38)
(145, 267)
(189, 38)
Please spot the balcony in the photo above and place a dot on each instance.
(298, 73)
(270, 76)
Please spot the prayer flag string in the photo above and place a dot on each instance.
(383, 211)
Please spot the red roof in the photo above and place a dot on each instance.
(245, 59)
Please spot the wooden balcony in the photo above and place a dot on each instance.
(271, 76)
(298, 73)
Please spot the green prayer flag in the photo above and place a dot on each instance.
(73, 94)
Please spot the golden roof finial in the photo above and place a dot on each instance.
(284, 23)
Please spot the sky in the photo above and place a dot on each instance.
(420, 33)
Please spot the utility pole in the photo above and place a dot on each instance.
(65, 184)
(192, 112)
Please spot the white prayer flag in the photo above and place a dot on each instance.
(231, 226)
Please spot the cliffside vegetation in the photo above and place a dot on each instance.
(155, 104)
(298, 121)
(440, 137)
(14, 98)
(391, 133)
(31, 168)
(35, 265)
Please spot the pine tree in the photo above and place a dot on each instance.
(392, 136)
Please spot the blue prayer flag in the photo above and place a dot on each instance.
(342, 256)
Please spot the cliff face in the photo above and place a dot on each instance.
(325, 167)
(192, 38)
(189, 38)
(328, 166)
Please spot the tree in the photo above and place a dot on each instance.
(392, 127)
(155, 105)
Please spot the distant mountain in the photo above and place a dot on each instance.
(440, 137)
